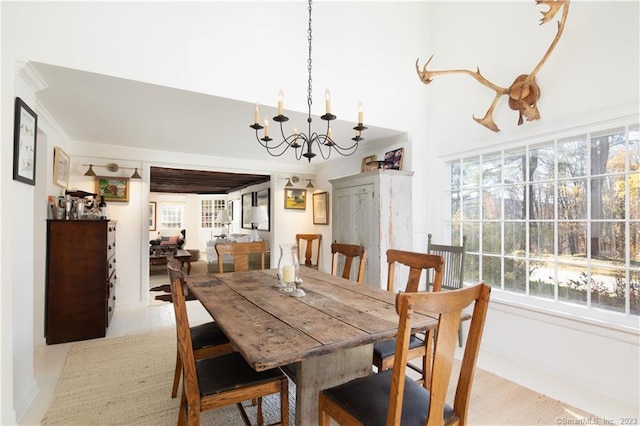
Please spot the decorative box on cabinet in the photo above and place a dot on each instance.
(373, 209)
(81, 279)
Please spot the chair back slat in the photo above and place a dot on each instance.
(349, 252)
(308, 252)
(240, 252)
(453, 277)
(185, 347)
(448, 306)
(417, 262)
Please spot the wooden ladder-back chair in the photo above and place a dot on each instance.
(453, 277)
(308, 252)
(384, 351)
(240, 252)
(392, 395)
(221, 380)
(350, 252)
(207, 339)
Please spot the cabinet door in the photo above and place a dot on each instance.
(355, 222)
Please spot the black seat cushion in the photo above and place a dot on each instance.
(207, 334)
(367, 400)
(386, 348)
(230, 371)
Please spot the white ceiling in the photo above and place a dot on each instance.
(107, 110)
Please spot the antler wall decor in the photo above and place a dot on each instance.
(523, 92)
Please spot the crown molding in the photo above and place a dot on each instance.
(28, 73)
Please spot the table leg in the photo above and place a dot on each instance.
(325, 371)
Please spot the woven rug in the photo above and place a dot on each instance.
(127, 381)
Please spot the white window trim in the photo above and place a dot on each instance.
(625, 327)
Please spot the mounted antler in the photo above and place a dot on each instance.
(523, 92)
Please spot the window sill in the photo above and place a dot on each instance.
(625, 328)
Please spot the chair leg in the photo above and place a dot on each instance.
(176, 375)
(260, 419)
(284, 403)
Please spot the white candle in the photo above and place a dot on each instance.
(327, 101)
(360, 113)
(256, 114)
(266, 126)
(280, 102)
(288, 274)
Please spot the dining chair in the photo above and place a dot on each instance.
(207, 339)
(222, 380)
(384, 351)
(391, 397)
(240, 252)
(349, 252)
(453, 276)
(308, 252)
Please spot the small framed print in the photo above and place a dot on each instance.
(395, 157)
(321, 208)
(112, 188)
(295, 199)
(247, 202)
(152, 216)
(24, 143)
(61, 167)
(365, 166)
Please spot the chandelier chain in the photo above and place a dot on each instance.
(309, 62)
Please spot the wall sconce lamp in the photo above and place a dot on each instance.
(112, 167)
(294, 179)
(309, 185)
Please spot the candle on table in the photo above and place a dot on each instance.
(288, 274)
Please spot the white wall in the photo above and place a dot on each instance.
(186, 45)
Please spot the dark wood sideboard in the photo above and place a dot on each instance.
(80, 279)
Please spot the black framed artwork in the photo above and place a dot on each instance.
(247, 202)
(263, 199)
(24, 143)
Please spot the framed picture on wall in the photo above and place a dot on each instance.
(321, 208)
(61, 166)
(24, 143)
(263, 200)
(247, 202)
(113, 189)
(152, 216)
(295, 199)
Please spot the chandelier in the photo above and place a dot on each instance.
(303, 142)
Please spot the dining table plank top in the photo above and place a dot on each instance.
(270, 328)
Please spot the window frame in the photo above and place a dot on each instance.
(461, 193)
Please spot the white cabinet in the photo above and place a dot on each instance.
(373, 209)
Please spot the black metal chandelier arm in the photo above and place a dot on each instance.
(272, 149)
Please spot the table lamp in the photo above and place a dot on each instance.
(223, 217)
(257, 215)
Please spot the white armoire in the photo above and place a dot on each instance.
(373, 209)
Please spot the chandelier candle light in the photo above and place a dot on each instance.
(305, 141)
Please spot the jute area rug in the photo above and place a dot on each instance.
(127, 381)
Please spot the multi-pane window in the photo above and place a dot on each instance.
(557, 220)
(209, 210)
(171, 215)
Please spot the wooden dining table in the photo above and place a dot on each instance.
(320, 340)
